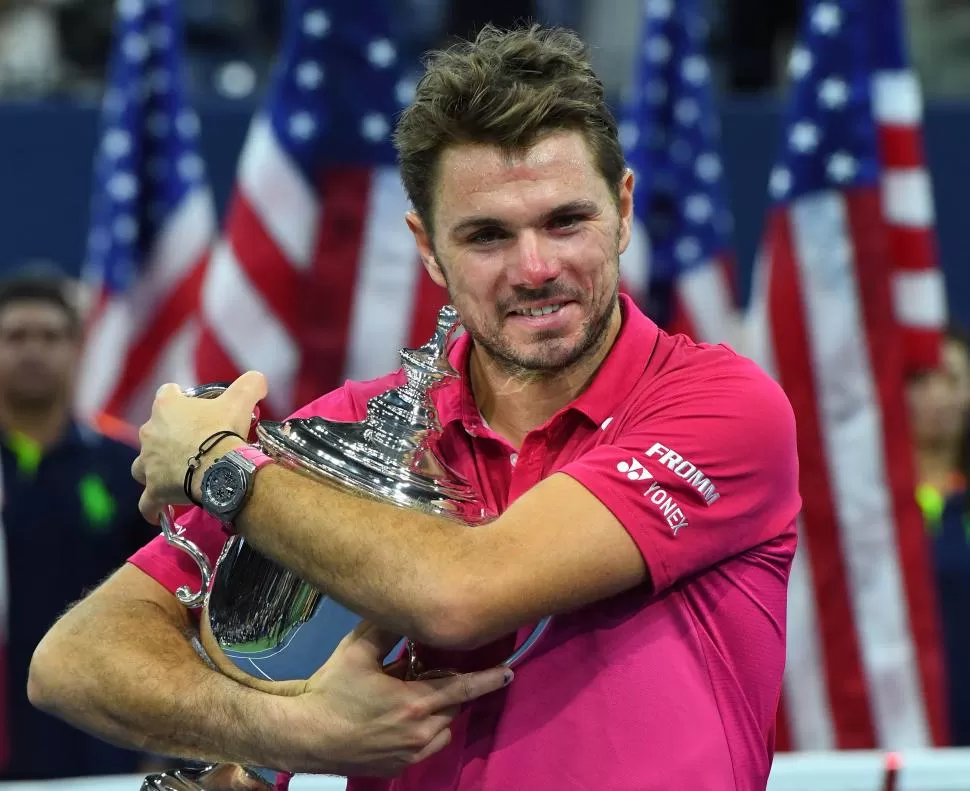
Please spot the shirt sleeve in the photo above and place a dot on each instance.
(709, 473)
(171, 566)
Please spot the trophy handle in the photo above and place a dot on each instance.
(184, 594)
(166, 519)
(415, 672)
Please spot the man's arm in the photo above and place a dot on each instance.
(556, 549)
(119, 664)
(579, 536)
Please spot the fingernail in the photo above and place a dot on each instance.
(507, 678)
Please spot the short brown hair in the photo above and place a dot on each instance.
(505, 88)
(41, 287)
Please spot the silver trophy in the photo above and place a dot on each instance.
(266, 627)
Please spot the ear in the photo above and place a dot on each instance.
(626, 209)
(422, 238)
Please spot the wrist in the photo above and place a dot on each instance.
(307, 741)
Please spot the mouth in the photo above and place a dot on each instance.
(536, 312)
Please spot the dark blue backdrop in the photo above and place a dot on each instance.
(46, 151)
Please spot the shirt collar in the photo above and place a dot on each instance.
(610, 386)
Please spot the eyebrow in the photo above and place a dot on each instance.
(572, 207)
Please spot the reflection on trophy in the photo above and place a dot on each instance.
(264, 626)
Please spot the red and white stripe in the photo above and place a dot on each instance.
(706, 304)
(919, 296)
(145, 336)
(864, 668)
(635, 264)
(311, 283)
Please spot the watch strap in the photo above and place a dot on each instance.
(254, 454)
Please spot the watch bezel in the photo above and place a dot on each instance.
(233, 463)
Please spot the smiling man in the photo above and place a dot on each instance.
(646, 485)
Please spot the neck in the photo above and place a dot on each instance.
(936, 463)
(44, 425)
(513, 405)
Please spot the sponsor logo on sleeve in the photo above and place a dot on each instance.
(666, 504)
(634, 470)
(686, 470)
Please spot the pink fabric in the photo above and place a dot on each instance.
(674, 686)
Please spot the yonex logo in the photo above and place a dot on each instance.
(634, 470)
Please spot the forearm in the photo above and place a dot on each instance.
(388, 564)
(127, 672)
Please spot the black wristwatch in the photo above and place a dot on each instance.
(227, 484)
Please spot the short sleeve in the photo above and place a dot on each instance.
(171, 566)
(700, 472)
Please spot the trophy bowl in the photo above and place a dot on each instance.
(265, 626)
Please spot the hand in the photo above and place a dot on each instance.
(355, 719)
(177, 426)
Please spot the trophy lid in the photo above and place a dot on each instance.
(390, 454)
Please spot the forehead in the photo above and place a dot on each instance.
(32, 313)
(476, 179)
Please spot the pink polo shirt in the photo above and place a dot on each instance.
(669, 686)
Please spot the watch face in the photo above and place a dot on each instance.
(224, 487)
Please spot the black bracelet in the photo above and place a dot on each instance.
(193, 464)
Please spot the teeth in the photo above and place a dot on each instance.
(539, 311)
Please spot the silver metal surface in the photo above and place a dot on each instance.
(266, 621)
(216, 777)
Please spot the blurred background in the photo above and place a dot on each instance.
(192, 189)
(53, 57)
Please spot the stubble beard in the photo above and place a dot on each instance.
(539, 366)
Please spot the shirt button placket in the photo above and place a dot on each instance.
(526, 466)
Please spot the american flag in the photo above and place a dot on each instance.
(671, 135)
(316, 277)
(918, 287)
(153, 220)
(864, 665)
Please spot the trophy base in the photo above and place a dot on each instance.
(217, 777)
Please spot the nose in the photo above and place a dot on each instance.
(535, 266)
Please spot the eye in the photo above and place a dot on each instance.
(487, 236)
(566, 221)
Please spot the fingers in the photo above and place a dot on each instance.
(249, 388)
(376, 643)
(469, 686)
(165, 393)
(168, 390)
(441, 740)
(149, 508)
(138, 470)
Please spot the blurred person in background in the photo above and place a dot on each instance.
(51, 46)
(757, 38)
(70, 513)
(939, 36)
(939, 403)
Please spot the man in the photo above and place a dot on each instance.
(70, 514)
(939, 408)
(646, 485)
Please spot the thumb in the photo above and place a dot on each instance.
(373, 642)
(251, 388)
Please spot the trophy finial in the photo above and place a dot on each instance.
(429, 363)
